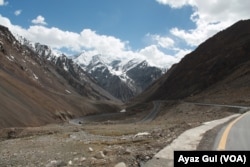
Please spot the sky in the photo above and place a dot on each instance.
(161, 31)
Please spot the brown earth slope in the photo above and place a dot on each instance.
(34, 91)
(217, 71)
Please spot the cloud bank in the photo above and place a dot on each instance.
(93, 43)
(209, 17)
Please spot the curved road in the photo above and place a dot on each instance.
(117, 116)
(236, 135)
(153, 113)
(147, 118)
(243, 108)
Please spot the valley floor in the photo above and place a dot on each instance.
(103, 143)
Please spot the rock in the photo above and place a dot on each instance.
(121, 164)
(98, 162)
(99, 155)
(91, 149)
(141, 134)
(72, 136)
(147, 157)
(82, 159)
(74, 153)
(70, 163)
(76, 159)
(56, 163)
(128, 151)
(107, 151)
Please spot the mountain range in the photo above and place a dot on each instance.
(123, 78)
(35, 90)
(40, 86)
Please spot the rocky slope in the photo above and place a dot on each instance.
(34, 91)
(70, 70)
(217, 71)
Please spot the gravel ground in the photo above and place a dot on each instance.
(101, 144)
(75, 147)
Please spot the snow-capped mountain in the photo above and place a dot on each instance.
(36, 91)
(42, 50)
(71, 71)
(123, 78)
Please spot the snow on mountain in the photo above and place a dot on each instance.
(42, 50)
(68, 69)
(123, 77)
(119, 75)
(116, 65)
(83, 59)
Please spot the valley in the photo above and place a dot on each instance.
(90, 111)
(104, 142)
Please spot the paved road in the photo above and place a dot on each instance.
(188, 140)
(243, 108)
(117, 116)
(97, 118)
(235, 135)
(153, 113)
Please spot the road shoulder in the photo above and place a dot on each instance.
(189, 140)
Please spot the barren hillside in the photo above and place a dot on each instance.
(33, 91)
(217, 71)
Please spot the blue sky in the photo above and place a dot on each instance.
(162, 31)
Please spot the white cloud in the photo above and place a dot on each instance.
(18, 12)
(157, 57)
(161, 41)
(209, 17)
(102, 43)
(39, 20)
(175, 3)
(92, 42)
(2, 3)
(180, 53)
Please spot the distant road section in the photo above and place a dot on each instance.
(236, 135)
(153, 113)
(221, 105)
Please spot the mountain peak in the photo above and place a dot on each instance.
(112, 73)
(106, 70)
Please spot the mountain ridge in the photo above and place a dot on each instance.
(114, 74)
(35, 91)
(203, 72)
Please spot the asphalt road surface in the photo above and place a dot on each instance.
(189, 140)
(117, 116)
(236, 135)
(153, 113)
